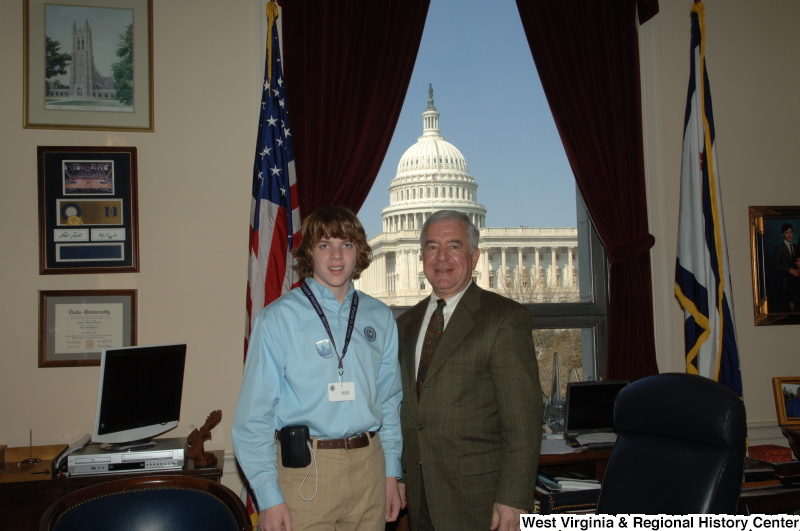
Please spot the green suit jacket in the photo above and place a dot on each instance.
(474, 434)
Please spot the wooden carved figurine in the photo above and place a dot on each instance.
(203, 459)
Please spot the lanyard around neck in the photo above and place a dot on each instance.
(321, 314)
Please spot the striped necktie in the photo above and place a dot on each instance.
(432, 335)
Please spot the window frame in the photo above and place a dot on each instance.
(590, 314)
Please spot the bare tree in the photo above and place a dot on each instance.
(525, 287)
(567, 342)
(530, 288)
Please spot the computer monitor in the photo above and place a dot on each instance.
(139, 395)
(589, 406)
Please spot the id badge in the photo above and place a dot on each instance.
(339, 392)
(324, 348)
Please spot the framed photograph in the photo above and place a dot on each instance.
(75, 326)
(787, 400)
(88, 64)
(88, 210)
(775, 255)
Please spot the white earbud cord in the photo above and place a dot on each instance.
(316, 473)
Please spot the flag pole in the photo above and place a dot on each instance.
(272, 15)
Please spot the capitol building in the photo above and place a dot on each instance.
(525, 264)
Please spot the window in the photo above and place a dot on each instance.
(588, 315)
(574, 325)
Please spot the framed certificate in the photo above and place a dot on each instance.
(75, 326)
(88, 208)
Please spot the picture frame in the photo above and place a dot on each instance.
(787, 400)
(776, 293)
(88, 210)
(76, 325)
(63, 39)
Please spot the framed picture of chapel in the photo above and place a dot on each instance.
(88, 64)
(88, 210)
(775, 258)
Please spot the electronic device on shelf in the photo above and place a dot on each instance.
(589, 407)
(139, 396)
(165, 454)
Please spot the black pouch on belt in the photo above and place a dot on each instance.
(295, 447)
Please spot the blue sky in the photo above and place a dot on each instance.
(492, 109)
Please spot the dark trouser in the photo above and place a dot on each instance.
(425, 523)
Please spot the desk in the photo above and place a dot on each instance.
(591, 462)
(775, 500)
(23, 503)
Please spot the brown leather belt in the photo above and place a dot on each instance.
(348, 443)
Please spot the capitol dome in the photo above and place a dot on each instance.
(527, 264)
(431, 175)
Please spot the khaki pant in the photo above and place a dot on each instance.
(351, 490)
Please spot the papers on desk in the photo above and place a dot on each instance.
(597, 439)
(556, 446)
(555, 480)
(584, 442)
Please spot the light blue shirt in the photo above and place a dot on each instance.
(286, 382)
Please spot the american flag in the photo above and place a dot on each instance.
(274, 211)
(702, 273)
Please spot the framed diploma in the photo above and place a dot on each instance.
(88, 210)
(75, 326)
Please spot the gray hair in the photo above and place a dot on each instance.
(473, 234)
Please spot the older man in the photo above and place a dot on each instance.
(472, 407)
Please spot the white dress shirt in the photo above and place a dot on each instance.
(448, 310)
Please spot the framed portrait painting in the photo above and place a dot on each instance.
(88, 65)
(787, 400)
(775, 256)
(88, 210)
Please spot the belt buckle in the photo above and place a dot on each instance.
(346, 444)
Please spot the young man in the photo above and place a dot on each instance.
(323, 356)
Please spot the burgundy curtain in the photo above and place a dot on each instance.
(347, 66)
(587, 56)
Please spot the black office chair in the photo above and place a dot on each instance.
(155, 503)
(680, 448)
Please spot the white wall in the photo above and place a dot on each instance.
(194, 207)
(194, 201)
(751, 53)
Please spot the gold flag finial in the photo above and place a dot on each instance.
(272, 15)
